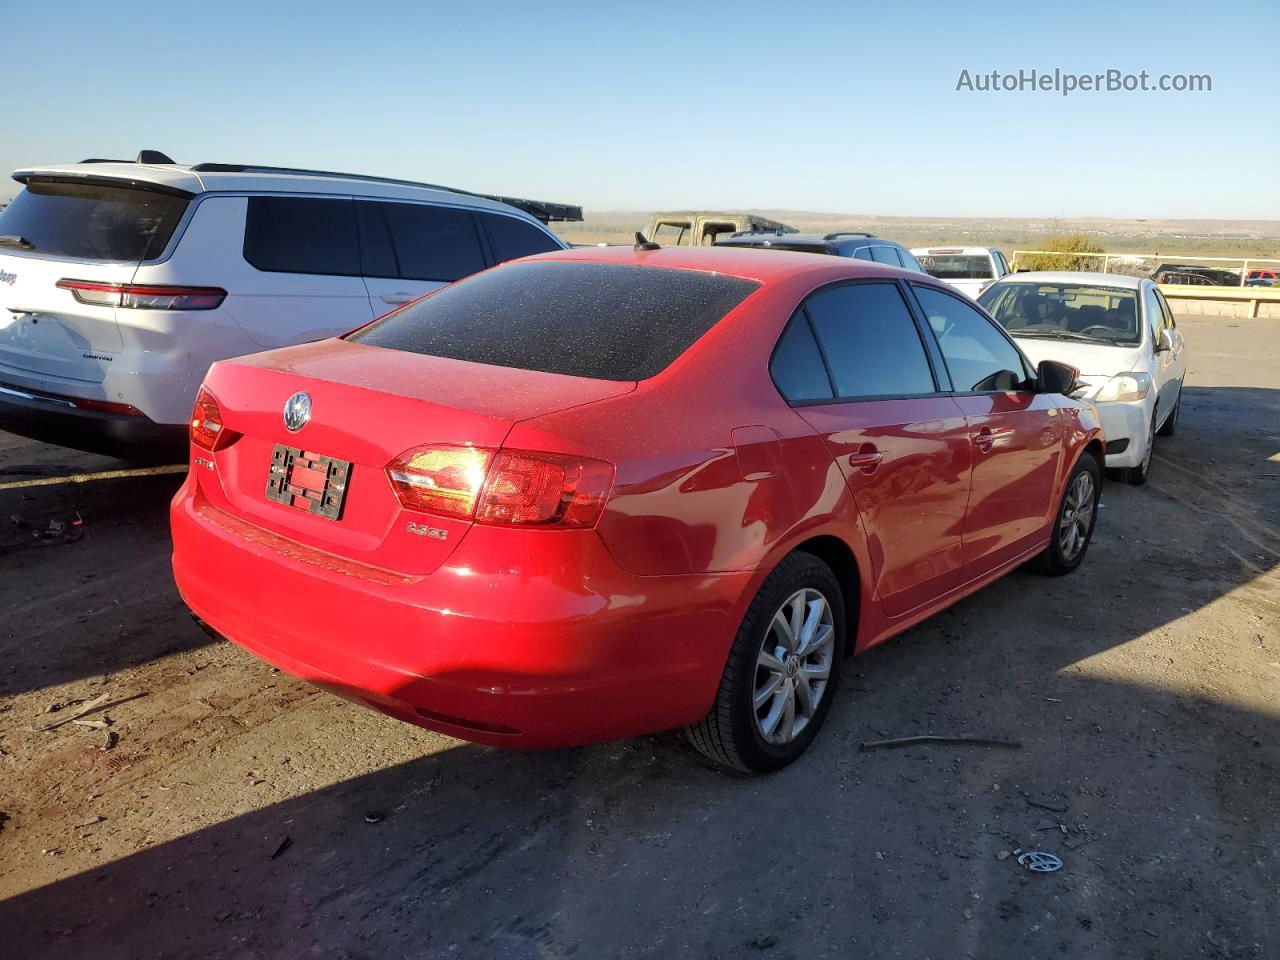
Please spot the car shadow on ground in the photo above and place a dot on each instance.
(1157, 786)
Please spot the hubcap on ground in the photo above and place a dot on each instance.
(793, 667)
(1077, 514)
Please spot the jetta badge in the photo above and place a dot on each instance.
(297, 411)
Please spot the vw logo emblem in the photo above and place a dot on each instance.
(297, 411)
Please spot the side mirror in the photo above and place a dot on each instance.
(1054, 377)
(1164, 342)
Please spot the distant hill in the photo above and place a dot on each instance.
(1228, 238)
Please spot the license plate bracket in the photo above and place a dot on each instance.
(308, 481)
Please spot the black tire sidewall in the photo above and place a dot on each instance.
(809, 572)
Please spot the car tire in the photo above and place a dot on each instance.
(733, 734)
(1137, 476)
(1074, 520)
(1170, 426)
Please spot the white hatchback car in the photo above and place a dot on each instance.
(120, 283)
(969, 269)
(1121, 335)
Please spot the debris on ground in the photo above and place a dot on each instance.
(84, 709)
(374, 816)
(93, 724)
(931, 739)
(91, 821)
(112, 739)
(1053, 806)
(1040, 861)
(284, 844)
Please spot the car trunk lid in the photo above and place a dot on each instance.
(368, 405)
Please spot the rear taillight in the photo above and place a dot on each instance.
(445, 480)
(509, 487)
(207, 430)
(142, 296)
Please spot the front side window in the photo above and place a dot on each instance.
(302, 235)
(977, 355)
(511, 238)
(1155, 317)
(91, 221)
(870, 340)
(582, 319)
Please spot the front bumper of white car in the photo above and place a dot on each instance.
(1126, 426)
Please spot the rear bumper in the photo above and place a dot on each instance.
(119, 435)
(521, 639)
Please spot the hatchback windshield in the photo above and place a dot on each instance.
(957, 266)
(91, 221)
(599, 320)
(1065, 311)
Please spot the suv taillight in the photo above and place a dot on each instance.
(507, 487)
(207, 430)
(144, 296)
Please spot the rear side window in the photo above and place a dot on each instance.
(862, 253)
(605, 321)
(511, 238)
(870, 341)
(91, 221)
(887, 255)
(909, 260)
(432, 243)
(979, 357)
(302, 235)
(797, 366)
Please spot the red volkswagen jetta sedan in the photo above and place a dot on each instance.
(603, 492)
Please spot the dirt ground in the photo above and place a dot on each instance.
(230, 817)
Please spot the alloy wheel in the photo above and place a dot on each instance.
(1077, 516)
(793, 667)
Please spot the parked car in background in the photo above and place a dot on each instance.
(1261, 278)
(124, 281)
(969, 269)
(1122, 336)
(701, 228)
(490, 513)
(860, 246)
(1181, 273)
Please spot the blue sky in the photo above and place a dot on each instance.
(843, 107)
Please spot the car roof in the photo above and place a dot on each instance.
(229, 178)
(750, 265)
(1080, 278)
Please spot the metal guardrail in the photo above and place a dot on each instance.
(1135, 259)
(1254, 296)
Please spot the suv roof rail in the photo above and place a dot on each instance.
(847, 233)
(544, 210)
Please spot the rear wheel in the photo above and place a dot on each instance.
(1073, 525)
(781, 673)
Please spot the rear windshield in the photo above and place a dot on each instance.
(605, 321)
(957, 266)
(90, 221)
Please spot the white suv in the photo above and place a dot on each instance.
(969, 269)
(120, 283)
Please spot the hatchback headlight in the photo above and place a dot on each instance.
(1124, 387)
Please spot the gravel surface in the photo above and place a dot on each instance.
(231, 811)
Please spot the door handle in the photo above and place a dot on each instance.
(984, 439)
(866, 459)
(398, 297)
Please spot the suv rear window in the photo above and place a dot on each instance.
(599, 320)
(510, 238)
(92, 221)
